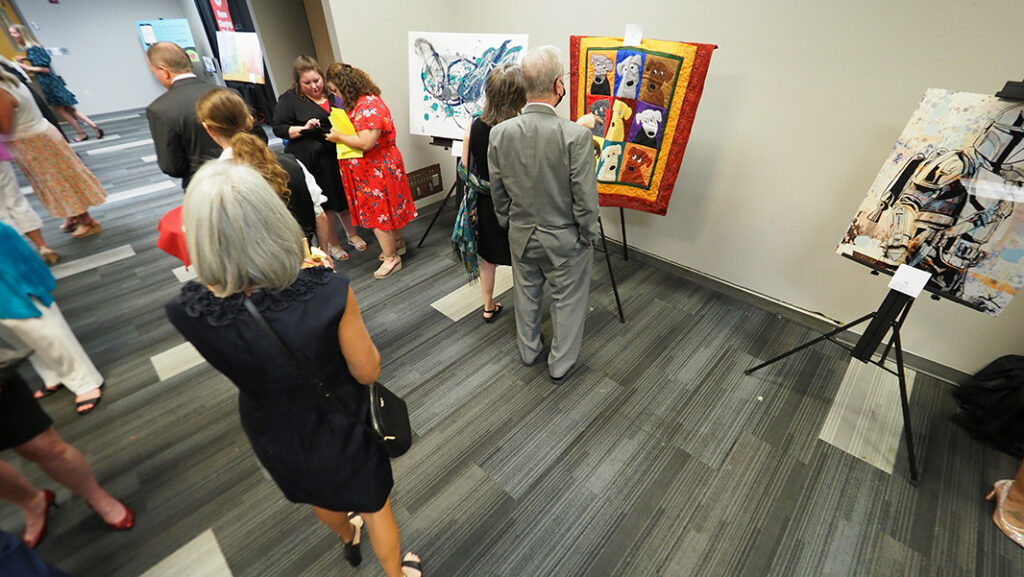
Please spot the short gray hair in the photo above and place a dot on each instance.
(541, 68)
(239, 234)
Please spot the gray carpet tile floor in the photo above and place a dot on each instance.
(658, 458)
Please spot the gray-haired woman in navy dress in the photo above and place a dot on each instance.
(244, 243)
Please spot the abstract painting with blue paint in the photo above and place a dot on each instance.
(446, 77)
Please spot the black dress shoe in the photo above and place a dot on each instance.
(559, 380)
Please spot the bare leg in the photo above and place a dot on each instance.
(69, 116)
(387, 545)
(388, 243)
(1014, 505)
(337, 522)
(48, 255)
(334, 245)
(67, 466)
(390, 261)
(37, 238)
(487, 283)
(86, 120)
(346, 224)
(14, 487)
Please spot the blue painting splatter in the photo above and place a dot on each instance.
(449, 72)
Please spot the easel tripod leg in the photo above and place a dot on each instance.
(437, 214)
(823, 337)
(622, 223)
(905, 404)
(611, 275)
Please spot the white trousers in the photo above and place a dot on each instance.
(59, 358)
(14, 207)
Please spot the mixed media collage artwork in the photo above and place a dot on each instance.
(949, 200)
(645, 98)
(446, 77)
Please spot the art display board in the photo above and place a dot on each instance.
(446, 77)
(174, 30)
(241, 58)
(645, 98)
(948, 200)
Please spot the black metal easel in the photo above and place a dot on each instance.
(889, 316)
(611, 275)
(456, 186)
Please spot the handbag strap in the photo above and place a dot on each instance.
(249, 306)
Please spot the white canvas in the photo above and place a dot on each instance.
(241, 58)
(446, 77)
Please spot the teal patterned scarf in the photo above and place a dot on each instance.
(464, 236)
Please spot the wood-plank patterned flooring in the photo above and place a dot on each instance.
(658, 458)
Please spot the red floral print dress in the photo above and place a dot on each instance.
(376, 184)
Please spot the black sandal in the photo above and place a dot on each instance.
(95, 402)
(413, 564)
(493, 312)
(44, 391)
(352, 553)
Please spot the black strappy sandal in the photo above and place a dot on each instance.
(493, 312)
(414, 564)
(44, 391)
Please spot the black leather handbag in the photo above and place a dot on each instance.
(389, 414)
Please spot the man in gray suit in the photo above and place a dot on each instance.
(545, 192)
(182, 144)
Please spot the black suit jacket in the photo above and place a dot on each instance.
(182, 144)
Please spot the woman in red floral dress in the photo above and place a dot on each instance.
(376, 184)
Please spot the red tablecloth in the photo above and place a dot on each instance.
(172, 237)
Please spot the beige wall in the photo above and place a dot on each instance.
(106, 65)
(318, 29)
(802, 104)
(284, 33)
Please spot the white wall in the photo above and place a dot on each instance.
(802, 104)
(106, 67)
(284, 32)
(364, 38)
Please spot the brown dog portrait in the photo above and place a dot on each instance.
(657, 81)
(637, 167)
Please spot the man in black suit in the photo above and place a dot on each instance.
(182, 144)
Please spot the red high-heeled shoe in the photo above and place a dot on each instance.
(126, 522)
(51, 499)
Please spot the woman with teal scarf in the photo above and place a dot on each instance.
(30, 319)
(478, 238)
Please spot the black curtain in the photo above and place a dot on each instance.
(260, 97)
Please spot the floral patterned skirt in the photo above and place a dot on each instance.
(378, 189)
(63, 184)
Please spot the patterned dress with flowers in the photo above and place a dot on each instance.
(376, 184)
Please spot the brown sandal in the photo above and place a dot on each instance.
(87, 229)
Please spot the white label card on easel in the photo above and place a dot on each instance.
(909, 280)
(457, 148)
(634, 35)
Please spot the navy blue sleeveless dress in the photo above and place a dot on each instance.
(312, 451)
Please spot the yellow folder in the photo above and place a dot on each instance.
(341, 123)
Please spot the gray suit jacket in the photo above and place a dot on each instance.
(182, 144)
(543, 183)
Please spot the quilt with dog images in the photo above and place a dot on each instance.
(644, 98)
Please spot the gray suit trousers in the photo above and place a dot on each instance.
(569, 283)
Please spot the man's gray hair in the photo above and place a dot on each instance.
(240, 235)
(541, 68)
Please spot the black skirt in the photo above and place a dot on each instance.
(492, 240)
(21, 417)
